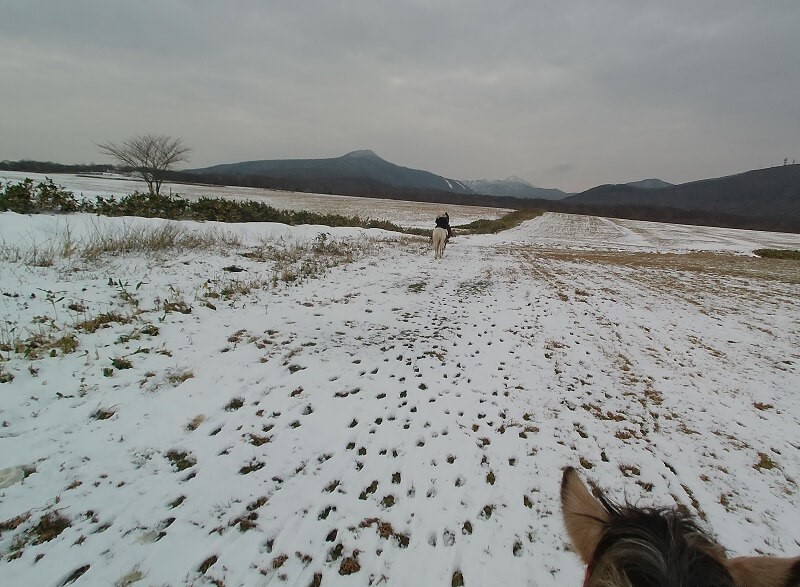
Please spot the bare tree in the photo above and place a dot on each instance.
(149, 156)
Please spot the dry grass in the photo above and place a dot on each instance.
(765, 462)
(14, 523)
(5, 377)
(778, 254)
(50, 525)
(45, 337)
(700, 262)
(149, 240)
(349, 566)
(176, 377)
(294, 262)
(154, 240)
(195, 422)
(506, 222)
(35, 256)
(102, 321)
(181, 460)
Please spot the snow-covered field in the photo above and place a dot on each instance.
(347, 411)
(406, 214)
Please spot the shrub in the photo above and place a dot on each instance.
(26, 198)
(777, 254)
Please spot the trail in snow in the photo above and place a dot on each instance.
(395, 418)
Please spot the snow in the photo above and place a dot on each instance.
(442, 398)
(406, 214)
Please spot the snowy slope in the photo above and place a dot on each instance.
(395, 417)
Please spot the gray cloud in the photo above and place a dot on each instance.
(622, 90)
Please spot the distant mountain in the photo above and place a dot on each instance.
(356, 167)
(764, 199)
(513, 187)
(772, 193)
(650, 184)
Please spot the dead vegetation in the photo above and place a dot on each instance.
(705, 263)
(180, 460)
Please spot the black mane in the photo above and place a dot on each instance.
(657, 547)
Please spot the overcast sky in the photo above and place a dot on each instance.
(566, 94)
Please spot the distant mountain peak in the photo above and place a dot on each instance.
(513, 187)
(362, 154)
(649, 184)
(516, 179)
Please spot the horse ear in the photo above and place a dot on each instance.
(764, 571)
(584, 515)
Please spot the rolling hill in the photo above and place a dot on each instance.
(772, 193)
(355, 167)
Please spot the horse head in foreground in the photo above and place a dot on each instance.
(626, 546)
(439, 240)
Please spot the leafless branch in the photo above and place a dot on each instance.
(149, 156)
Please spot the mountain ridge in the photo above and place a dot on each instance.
(760, 199)
(513, 187)
(773, 192)
(362, 164)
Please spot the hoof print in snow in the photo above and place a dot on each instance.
(206, 564)
(373, 487)
(335, 553)
(258, 440)
(326, 512)
(74, 576)
(250, 467)
(176, 502)
(234, 404)
(181, 460)
(517, 548)
(458, 580)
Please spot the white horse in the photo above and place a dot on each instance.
(439, 240)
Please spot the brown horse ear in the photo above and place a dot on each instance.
(584, 515)
(764, 571)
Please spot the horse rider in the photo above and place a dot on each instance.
(443, 221)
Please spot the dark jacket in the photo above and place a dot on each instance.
(444, 222)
